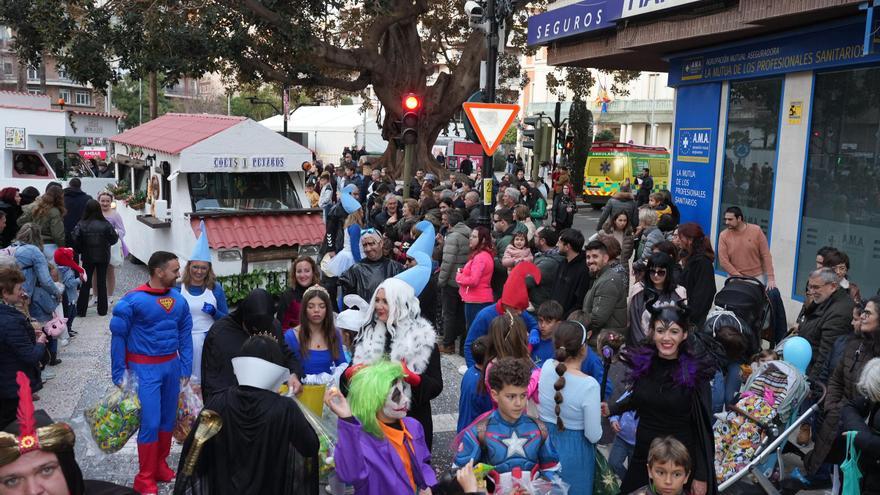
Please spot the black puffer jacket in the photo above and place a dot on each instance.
(822, 324)
(364, 276)
(75, 203)
(93, 238)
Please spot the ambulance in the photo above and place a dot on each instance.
(611, 164)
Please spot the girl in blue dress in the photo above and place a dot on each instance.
(316, 341)
(570, 407)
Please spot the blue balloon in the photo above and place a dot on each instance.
(797, 352)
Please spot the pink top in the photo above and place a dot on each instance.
(475, 279)
(513, 255)
(745, 253)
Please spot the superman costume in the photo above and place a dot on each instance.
(506, 445)
(151, 335)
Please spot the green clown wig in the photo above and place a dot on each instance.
(368, 391)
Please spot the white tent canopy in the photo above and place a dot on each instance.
(328, 130)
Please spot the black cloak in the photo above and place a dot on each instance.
(258, 451)
(226, 336)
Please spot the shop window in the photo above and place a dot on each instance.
(750, 150)
(841, 205)
(242, 191)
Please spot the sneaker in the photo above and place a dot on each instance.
(93, 301)
(55, 362)
(64, 342)
(47, 374)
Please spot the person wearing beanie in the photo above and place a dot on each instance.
(38, 454)
(28, 195)
(72, 276)
(514, 298)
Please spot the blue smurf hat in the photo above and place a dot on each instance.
(349, 204)
(425, 242)
(417, 277)
(202, 252)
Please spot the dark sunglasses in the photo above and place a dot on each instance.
(658, 271)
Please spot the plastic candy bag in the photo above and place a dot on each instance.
(189, 404)
(115, 418)
(327, 436)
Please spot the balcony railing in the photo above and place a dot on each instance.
(616, 106)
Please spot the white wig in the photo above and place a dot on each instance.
(403, 305)
(869, 382)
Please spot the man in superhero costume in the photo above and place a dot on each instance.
(151, 335)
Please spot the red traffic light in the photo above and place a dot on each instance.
(411, 102)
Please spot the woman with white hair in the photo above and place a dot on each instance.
(395, 330)
(863, 417)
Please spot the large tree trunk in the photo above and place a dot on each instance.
(402, 53)
(153, 95)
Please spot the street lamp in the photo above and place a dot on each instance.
(256, 101)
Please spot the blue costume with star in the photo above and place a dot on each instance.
(151, 335)
(509, 445)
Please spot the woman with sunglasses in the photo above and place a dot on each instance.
(657, 284)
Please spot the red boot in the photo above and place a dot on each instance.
(145, 481)
(164, 474)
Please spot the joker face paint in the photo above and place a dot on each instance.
(397, 403)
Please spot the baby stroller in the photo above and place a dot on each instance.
(750, 436)
(747, 298)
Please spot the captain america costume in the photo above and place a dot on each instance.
(151, 335)
(521, 444)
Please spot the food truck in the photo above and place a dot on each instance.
(243, 180)
(37, 137)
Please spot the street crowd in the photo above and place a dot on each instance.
(538, 309)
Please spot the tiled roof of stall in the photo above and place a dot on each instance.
(174, 132)
(257, 230)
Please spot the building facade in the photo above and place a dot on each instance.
(777, 110)
(58, 85)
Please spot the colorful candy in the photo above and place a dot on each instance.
(114, 419)
(189, 404)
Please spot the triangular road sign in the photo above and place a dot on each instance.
(491, 121)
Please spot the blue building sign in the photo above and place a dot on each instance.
(693, 160)
(832, 45)
(694, 145)
(582, 17)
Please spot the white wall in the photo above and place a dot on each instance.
(788, 191)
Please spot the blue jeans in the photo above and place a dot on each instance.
(724, 388)
(620, 452)
(470, 313)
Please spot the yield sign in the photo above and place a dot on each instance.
(490, 121)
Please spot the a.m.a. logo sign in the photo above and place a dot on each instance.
(694, 145)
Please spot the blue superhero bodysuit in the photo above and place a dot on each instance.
(510, 445)
(152, 335)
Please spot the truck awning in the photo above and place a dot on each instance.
(258, 230)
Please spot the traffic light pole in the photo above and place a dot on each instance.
(407, 169)
(488, 175)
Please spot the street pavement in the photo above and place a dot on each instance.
(84, 375)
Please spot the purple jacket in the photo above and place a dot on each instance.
(373, 466)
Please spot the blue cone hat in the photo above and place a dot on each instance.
(417, 277)
(349, 204)
(202, 252)
(425, 242)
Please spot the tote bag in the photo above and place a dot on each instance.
(852, 475)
